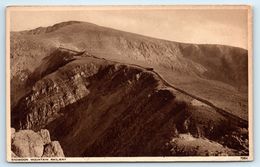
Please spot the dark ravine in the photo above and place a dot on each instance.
(108, 108)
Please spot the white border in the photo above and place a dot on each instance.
(131, 159)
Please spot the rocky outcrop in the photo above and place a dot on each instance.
(53, 149)
(92, 101)
(45, 135)
(27, 143)
(214, 70)
(13, 155)
(187, 145)
(97, 107)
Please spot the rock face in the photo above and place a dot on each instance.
(214, 70)
(53, 149)
(98, 107)
(95, 107)
(44, 133)
(27, 143)
(13, 155)
(186, 144)
(12, 132)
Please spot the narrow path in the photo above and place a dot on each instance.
(231, 117)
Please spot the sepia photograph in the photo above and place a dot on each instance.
(129, 83)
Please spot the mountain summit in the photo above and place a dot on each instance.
(214, 72)
(105, 92)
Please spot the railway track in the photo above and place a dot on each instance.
(231, 117)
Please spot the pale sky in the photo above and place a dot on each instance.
(212, 26)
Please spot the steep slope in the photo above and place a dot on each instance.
(96, 39)
(96, 107)
(214, 72)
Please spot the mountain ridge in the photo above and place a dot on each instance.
(223, 69)
(56, 26)
(89, 100)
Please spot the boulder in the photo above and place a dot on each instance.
(13, 155)
(27, 143)
(45, 134)
(12, 132)
(53, 149)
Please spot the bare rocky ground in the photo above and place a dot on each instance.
(100, 103)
